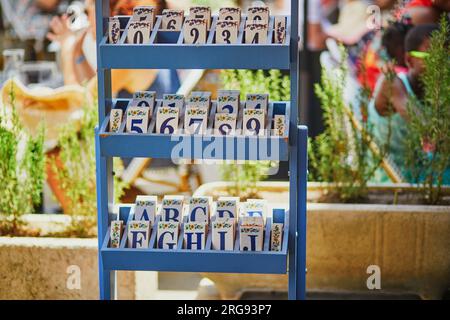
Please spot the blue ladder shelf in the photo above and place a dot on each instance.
(169, 52)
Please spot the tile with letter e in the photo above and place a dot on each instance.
(115, 120)
(194, 31)
(137, 119)
(227, 32)
(167, 235)
(256, 33)
(138, 234)
(223, 235)
(139, 32)
(257, 101)
(167, 120)
(116, 233)
(279, 33)
(225, 124)
(199, 209)
(251, 238)
(201, 12)
(144, 13)
(254, 122)
(258, 14)
(276, 236)
(255, 208)
(228, 101)
(172, 20)
(113, 30)
(172, 208)
(230, 13)
(194, 235)
(173, 101)
(195, 120)
(145, 208)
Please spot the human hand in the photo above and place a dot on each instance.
(60, 31)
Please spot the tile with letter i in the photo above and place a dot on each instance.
(139, 32)
(115, 120)
(172, 20)
(258, 14)
(113, 30)
(230, 13)
(167, 235)
(227, 32)
(225, 124)
(257, 101)
(172, 208)
(173, 101)
(199, 209)
(137, 119)
(279, 30)
(223, 235)
(279, 125)
(138, 234)
(254, 122)
(116, 233)
(194, 31)
(201, 12)
(194, 235)
(144, 13)
(256, 33)
(195, 120)
(145, 208)
(167, 120)
(276, 236)
(144, 99)
(251, 238)
(228, 101)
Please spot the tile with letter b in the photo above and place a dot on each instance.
(116, 233)
(279, 33)
(145, 208)
(199, 209)
(194, 235)
(167, 235)
(138, 234)
(227, 32)
(139, 32)
(230, 13)
(172, 208)
(223, 235)
(113, 30)
(167, 120)
(115, 120)
(195, 120)
(172, 20)
(194, 31)
(137, 119)
(258, 14)
(144, 13)
(254, 122)
(276, 236)
(256, 33)
(225, 124)
(202, 13)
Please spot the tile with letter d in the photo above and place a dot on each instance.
(223, 235)
(172, 208)
(257, 101)
(115, 120)
(116, 233)
(172, 20)
(194, 235)
(201, 12)
(145, 208)
(194, 31)
(225, 124)
(173, 101)
(226, 209)
(167, 235)
(279, 33)
(195, 120)
(256, 33)
(227, 32)
(199, 209)
(276, 236)
(139, 32)
(279, 126)
(144, 13)
(113, 30)
(254, 122)
(138, 234)
(167, 120)
(230, 13)
(251, 238)
(258, 14)
(144, 99)
(137, 119)
(228, 101)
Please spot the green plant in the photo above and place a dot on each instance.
(428, 139)
(22, 164)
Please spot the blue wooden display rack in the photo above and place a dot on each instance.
(173, 54)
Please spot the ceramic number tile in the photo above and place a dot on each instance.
(258, 14)
(137, 119)
(115, 120)
(276, 236)
(144, 13)
(251, 238)
(172, 208)
(173, 101)
(144, 99)
(257, 101)
(256, 33)
(194, 235)
(138, 234)
(201, 12)
(230, 13)
(200, 99)
(139, 32)
(254, 122)
(199, 209)
(279, 30)
(167, 235)
(227, 32)
(195, 120)
(145, 208)
(279, 125)
(113, 30)
(194, 31)
(225, 124)
(167, 120)
(223, 235)
(172, 20)
(228, 101)
(116, 233)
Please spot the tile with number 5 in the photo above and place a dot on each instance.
(137, 119)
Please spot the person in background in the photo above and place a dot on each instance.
(78, 54)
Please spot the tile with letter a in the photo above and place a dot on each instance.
(167, 120)
(227, 32)
(279, 33)
(113, 30)
(251, 238)
(258, 14)
(228, 101)
(145, 208)
(138, 234)
(137, 119)
(138, 33)
(144, 13)
(256, 33)
(276, 236)
(172, 208)
(199, 209)
(254, 122)
(201, 12)
(225, 124)
(116, 233)
(194, 31)
(257, 101)
(194, 235)
(279, 125)
(195, 120)
(173, 101)
(167, 235)
(115, 120)
(230, 14)
(223, 235)
(172, 20)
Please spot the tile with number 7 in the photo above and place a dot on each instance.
(167, 120)
(144, 13)
(137, 119)
(195, 120)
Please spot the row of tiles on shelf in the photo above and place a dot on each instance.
(180, 225)
(255, 117)
(256, 26)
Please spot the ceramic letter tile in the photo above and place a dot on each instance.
(173, 101)
(172, 208)
(223, 235)
(251, 238)
(194, 235)
(257, 101)
(258, 14)
(167, 235)
(138, 234)
(145, 208)
(225, 124)
(199, 209)
(279, 125)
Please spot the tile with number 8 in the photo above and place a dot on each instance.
(225, 124)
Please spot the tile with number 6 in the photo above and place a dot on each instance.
(172, 20)
(167, 120)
